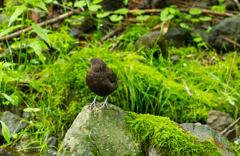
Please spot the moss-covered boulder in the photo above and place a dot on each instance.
(99, 132)
(112, 131)
(161, 136)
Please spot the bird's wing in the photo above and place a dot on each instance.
(112, 76)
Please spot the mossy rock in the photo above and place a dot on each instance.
(167, 137)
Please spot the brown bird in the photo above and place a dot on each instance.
(101, 80)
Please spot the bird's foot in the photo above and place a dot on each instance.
(94, 102)
(104, 103)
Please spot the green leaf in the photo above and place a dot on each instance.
(164, 13)
(142, 18)
(206, 18)
(220, 8)
(38, 29)
(7, 64)
(17, 12)
(80, 4)
(31, 109)
(94, 7)
(48, 1)
(9, 98)
(188, 16)
(37, 49)
(122, 11)
(185, 26)
(5, 32)
(195, 11)
(195, 20)
(125, 2)
(173, 6)
(34, 61)
(1, 73)
(15, 99)
(172, 11)
(138, 12)
(167, 18)
(102, 15)
(96, 1)
(197, 39)
(5, 132)
(42, 5)
(33, 2)
(116, 18)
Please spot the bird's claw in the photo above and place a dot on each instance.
(93, 103)
(103, 104)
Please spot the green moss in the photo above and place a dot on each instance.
(133, 33)
(153, 21)
(164, 134)
(146, 87)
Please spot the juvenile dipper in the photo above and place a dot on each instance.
(101, 80)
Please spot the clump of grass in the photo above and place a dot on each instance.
(144, 88)
(164, 135)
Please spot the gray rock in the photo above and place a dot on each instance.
(220, 121)
(24, 142)
(110, 5)
(82, 24)
(98, 132)
(12, 121)
(26, 115)
(229, 28)
(52, 141)
(4, 153)
(144, 4)
(203, 34)
(148, 41)
(205, 132)
(177, 35)
(160, 4)
(75, 32)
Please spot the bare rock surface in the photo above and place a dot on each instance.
(98, 132)
(220, 121)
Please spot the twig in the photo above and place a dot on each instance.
(229, 40)
(70, 8)
(41, 24)
(230, 126)
(228, 78)
(194, 4)
(117, 43)
(112, 33)
(188, 91)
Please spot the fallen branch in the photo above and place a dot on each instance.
(205, 11)
(230, 126)
(229, 40)
(18, 33)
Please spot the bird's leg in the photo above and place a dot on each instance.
(104, 103)
(94, 102)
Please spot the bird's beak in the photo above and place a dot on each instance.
(88, 59)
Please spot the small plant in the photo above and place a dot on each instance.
(5, 132)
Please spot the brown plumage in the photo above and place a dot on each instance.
(101, 80)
